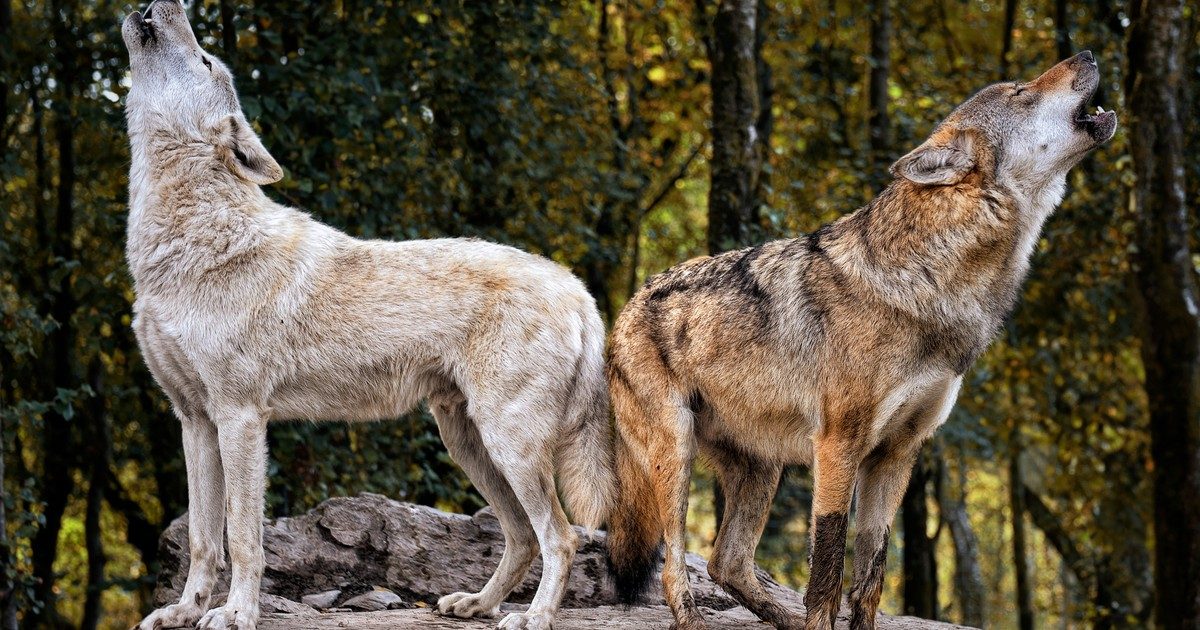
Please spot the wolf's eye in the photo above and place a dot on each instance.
(1018, 89)
(207, 63)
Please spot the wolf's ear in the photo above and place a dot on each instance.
(939, 162)
(244, 153)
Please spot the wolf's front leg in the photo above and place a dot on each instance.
(242, 435)
(835, 464)
(206, 521)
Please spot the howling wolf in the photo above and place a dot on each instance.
(249, 312)
(843, 350)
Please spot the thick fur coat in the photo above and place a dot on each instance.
(248, 312)
(843, 350)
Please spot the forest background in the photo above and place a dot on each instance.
(614, 136)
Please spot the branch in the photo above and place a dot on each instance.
(139, 531)
(1045, 520)
(606, 77)
(670, 184)
(952, 47)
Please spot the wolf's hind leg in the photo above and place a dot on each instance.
(520, 544)
(882, 480)
(669, 442)
(518, 440)
(749, 484)
(206, 522)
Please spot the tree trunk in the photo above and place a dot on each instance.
(920, 563)
(737, 160)
(1016, 497)
(98, 454)
(1010, 18)
(8, 617)
(57, 480)
(95, 551)
(968, 578)
(601, 261)
(1166, 282)
(1062, 29)
(6, 67)
(228, 34)
(765, 123)
(881, 67)
(8, 609)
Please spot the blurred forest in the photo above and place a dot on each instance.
(614, 136)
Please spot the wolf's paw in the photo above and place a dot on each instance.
(465, 605)
(691, 623)
(181, 615)
(228, 617)
(527, 621)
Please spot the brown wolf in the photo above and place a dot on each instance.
(250, 312)
(842, 350)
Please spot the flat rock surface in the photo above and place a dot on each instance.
(648, 617)
(356, 545)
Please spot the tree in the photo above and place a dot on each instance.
(880, 124)
(1010, 16)
(1020, 549)
(1165, 277)
(968, 577)
(524, 123)
(920, 559)
(738, 141)
(57, 443)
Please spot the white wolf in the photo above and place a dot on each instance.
(249, 312)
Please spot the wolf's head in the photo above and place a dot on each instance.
(1026, 136)
(186, 95)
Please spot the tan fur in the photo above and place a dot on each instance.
(842, 350)
(249, 312)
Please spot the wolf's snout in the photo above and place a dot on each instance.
(150, 9)
(1084, 63)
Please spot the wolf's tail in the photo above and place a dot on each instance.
(635, 530)
(585, 455)
(635, 526)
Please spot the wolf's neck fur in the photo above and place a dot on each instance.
(186, 211)
(950, 254)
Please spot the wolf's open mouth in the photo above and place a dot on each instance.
(1099, 125)
(145, 26)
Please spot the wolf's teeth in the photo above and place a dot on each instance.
(1099, 109)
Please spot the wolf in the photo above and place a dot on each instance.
(249, 312)
(842, 350)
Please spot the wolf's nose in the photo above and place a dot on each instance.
(1087, 56)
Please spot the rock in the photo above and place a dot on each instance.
(378, 599)
(656, 617)
(324, 599)
(351, 545)
(276, 604)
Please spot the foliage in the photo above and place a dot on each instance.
(579, 131)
